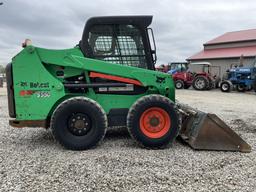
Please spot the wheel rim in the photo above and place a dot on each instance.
(155, 122)
(200, 84)
(79, 124)
(225, 87)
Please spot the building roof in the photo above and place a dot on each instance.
(224, 53)
(235, 36)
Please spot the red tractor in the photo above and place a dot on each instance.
(184, 78)
(163, 68)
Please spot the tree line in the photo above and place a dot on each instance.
(2, 69)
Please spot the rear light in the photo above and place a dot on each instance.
(26, 43)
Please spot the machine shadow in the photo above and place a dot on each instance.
(117, 132)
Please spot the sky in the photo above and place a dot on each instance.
(180, 27)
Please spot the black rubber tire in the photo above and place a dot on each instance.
(134, 115)
(179, 84)
(60, 126)
(241, 88)
(203, 79)
(211, 85)
(225, 86)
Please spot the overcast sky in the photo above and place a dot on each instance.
(180, 27)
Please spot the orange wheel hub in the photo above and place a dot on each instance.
(155, 122)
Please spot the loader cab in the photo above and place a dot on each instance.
(122, 40)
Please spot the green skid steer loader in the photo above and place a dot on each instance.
(108, 80)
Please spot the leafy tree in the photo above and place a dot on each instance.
(2, 69)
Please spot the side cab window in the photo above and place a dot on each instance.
(120, 44)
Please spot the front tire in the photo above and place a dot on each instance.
(225, 86)
(79, 123)
(211, 85)
(179, 84)
(152, 121)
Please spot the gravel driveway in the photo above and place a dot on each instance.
(30, 160)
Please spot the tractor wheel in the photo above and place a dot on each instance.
(211, 85)
(152, 121)
(200, 83)
(241, 88)
(179, 84)
(225, 86)
(79, 123)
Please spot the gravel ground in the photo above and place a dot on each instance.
(30, 160)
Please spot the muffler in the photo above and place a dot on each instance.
(205, 131)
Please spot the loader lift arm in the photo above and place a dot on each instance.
(158, 82)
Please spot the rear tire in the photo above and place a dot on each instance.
(152, 121)
(79, 123)
(200, 83)
(179, 84)
(225, 86)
